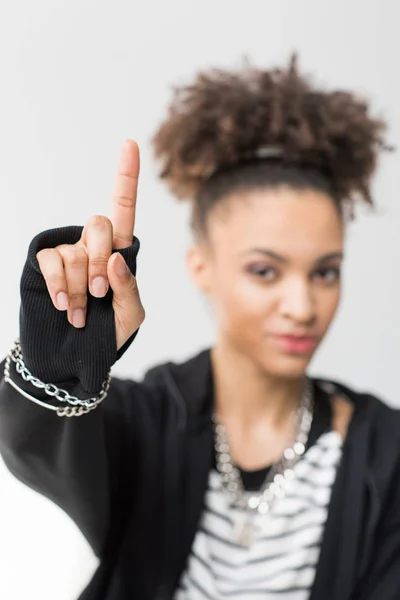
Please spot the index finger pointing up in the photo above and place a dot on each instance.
(124, 195)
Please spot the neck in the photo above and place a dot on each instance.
(245, 393)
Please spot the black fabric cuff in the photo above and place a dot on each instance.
(55, 351)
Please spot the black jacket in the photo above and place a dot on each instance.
(132, 473)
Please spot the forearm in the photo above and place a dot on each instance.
(62, 458)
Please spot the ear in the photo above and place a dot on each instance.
(199, 267)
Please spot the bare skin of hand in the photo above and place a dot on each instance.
(71, 271)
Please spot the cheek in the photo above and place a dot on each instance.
(328, 303)
(242, 302)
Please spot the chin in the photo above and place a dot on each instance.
(287, 367)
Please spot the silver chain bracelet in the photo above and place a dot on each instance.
(75, 406)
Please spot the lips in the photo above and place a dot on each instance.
(294, 344)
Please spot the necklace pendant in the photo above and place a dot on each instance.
(245, 533)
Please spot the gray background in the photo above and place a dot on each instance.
(77, 78)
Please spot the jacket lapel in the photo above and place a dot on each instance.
(198, 461)
(345, 529)
(191, 384)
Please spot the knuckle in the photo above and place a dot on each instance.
(63, 248)
(43, 254)
(48, 258)
(99, 261)
(100, 222)
(50, 266)
(124, 201)
(125, 240)
(75, 255)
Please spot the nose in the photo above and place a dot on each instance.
(297, 302)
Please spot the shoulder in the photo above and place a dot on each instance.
(190, 375)
(361, 399)
(383, 419)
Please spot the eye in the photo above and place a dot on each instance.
(328, 274)
(263, 272)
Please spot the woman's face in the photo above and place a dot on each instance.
(271, 269)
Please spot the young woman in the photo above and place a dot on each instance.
(233, 474)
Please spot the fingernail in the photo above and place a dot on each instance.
(78, 318)
(62, 301)
(120, 266)
(99, 287)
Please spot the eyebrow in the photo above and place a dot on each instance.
(278, 257)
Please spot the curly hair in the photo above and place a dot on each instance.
(215, 126)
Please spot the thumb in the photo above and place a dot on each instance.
(128, 309)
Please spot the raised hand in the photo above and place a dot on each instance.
(73, 270)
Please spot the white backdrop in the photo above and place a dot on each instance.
(79, 77)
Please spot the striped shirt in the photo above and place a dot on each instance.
(281, 562)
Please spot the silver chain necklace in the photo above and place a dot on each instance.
(275, 483)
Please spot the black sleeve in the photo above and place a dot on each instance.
(382, 578)
(55, 351)
(77, 462)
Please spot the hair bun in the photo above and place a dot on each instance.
(224, 116)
